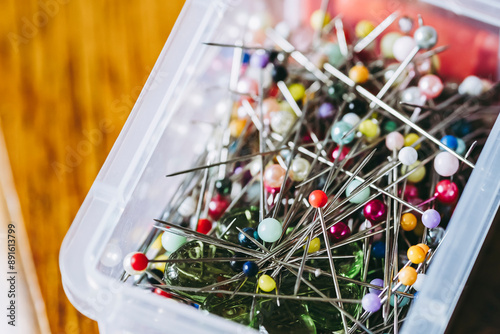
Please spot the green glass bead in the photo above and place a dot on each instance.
(197, 274)
(245, 217)
(336, 90)
(223, 186)
(348, 267)
(325, 316)
(289, 317)
(292, 316)
(236, 309)
(390, 126)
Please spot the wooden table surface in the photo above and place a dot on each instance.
(69, 67)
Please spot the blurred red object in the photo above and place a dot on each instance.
(473, 46)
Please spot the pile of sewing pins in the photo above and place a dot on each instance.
(337, 167)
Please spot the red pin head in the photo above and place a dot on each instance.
(318, 199)
(139, 262)
(204, 226)
(446, 192)
(163, 293)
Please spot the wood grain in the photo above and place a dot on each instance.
(68, 68)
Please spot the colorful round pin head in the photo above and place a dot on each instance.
(425, 37)
(369, 128)
(435, 236)
(405, 24)
(418, 173)
(410, 139)
(363, 28)
(297, 90)
(269, 230)
(375, 211)
(446, 164)
(266, 283)
(223, 186)
(135, 263)
(402, 47)
(359, 74)
(162, 293)
(171, 241)
(378, 249)
(424, 247)
(334, 54)
(431, 218)
(412, 95)
(461, 147)
(244, 240)
(408, 221)
(402, 301)
(394, 141)
(339, 232)
(471, 85)
(237, 265)
(314, 246)
(371, 302)
(282, 121)
(279, 73)
(450, 141)
(378, 282)
(431, 86)
(250, 268)
(274, 176)
(319, 19)
(416, 254)
(446, 192)
(338, 131)
(326, 110)
(407, 276)
(259, 59)
(336, 90)
(337, 153)
(361, 196)
(299, 169)
(408, 156)
(387, 44)
(357, 106)
(204, 226)
(351, 118)
(187, 207)
(318, 199)
(217, 206)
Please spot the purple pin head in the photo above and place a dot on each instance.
(326, 110)
(371, 302)
(431, 218)
(378, 282)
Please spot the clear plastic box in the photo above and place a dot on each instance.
(160, 137)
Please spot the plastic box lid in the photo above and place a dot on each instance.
(487, 11)
(160, 136)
